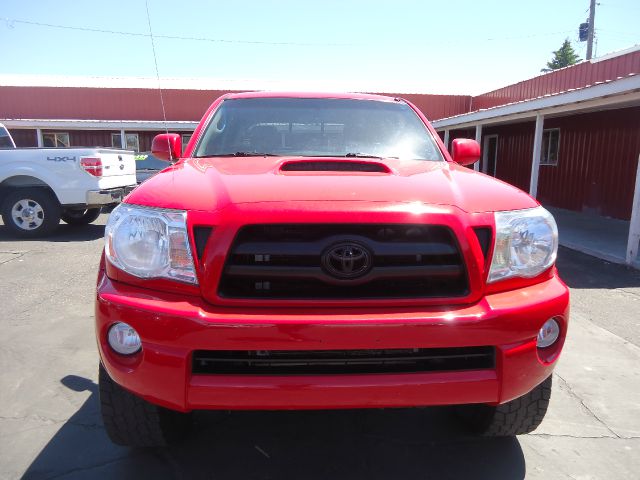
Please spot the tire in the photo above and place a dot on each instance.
(131, 421)
(30, 212)
(517, 417)
(81, 217)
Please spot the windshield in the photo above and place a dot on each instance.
(317, 127)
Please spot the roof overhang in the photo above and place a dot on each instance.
(615, 93)
(71, 124)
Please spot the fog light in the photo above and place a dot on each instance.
(124, 339)
(548, 334)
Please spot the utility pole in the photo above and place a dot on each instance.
(592, 15)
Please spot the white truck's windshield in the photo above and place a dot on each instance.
(5, 139)
(317, 127)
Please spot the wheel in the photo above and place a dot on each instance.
(517, 417)
(81, 217)
(131, 421)
(30, 212)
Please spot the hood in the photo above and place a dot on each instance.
(213, 183)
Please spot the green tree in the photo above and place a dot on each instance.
(563, 57)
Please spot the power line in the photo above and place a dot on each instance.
(10, 21)
(548, 34)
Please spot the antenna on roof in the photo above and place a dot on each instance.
(155, 61)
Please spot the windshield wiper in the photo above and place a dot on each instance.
(364, 155)
(241, 154)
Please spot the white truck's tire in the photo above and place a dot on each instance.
(30, 212)
(81, 217)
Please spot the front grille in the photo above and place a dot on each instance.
(290, 262)
(200, 238)
(334, 362)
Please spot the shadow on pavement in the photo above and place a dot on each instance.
(387, 444)
(64, 233)
(579, 270)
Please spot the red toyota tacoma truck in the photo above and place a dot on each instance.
(319, 251)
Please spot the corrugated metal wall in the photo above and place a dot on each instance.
(103, 103)
(437, 106)
(145, 139)
(462, 133)
(515, 151)
(576, 76)
(89, 138)
(144, 104)
(597, 161)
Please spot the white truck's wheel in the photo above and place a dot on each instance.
(81, 217)
(30, 212)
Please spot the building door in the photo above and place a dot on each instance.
(490, 154)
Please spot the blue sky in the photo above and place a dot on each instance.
(401, 46)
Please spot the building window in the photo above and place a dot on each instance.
(132, 141)
(550, 147)
(55, 139)
(185, 140)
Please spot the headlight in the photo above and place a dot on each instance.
(150, 243)
(526, 244)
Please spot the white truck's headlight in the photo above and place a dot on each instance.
(150, 243)
(526, 244)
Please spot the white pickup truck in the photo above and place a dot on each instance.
(40, 186)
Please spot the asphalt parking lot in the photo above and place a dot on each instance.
(50, 425)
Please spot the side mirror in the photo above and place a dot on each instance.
(167, 146)
(465, 151)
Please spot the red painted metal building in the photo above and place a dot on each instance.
(591, 111)
(594, 161)
(144, 103)
(91, 116)
(597, 161)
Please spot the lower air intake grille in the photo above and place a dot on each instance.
(333, 362)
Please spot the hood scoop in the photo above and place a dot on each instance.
(334, 166)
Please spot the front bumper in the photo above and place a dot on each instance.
(108, 196)
(172, 327)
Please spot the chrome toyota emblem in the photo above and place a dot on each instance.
(347, 260)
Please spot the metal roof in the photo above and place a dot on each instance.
(582, 74)
(620, 91)
(339, 84)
